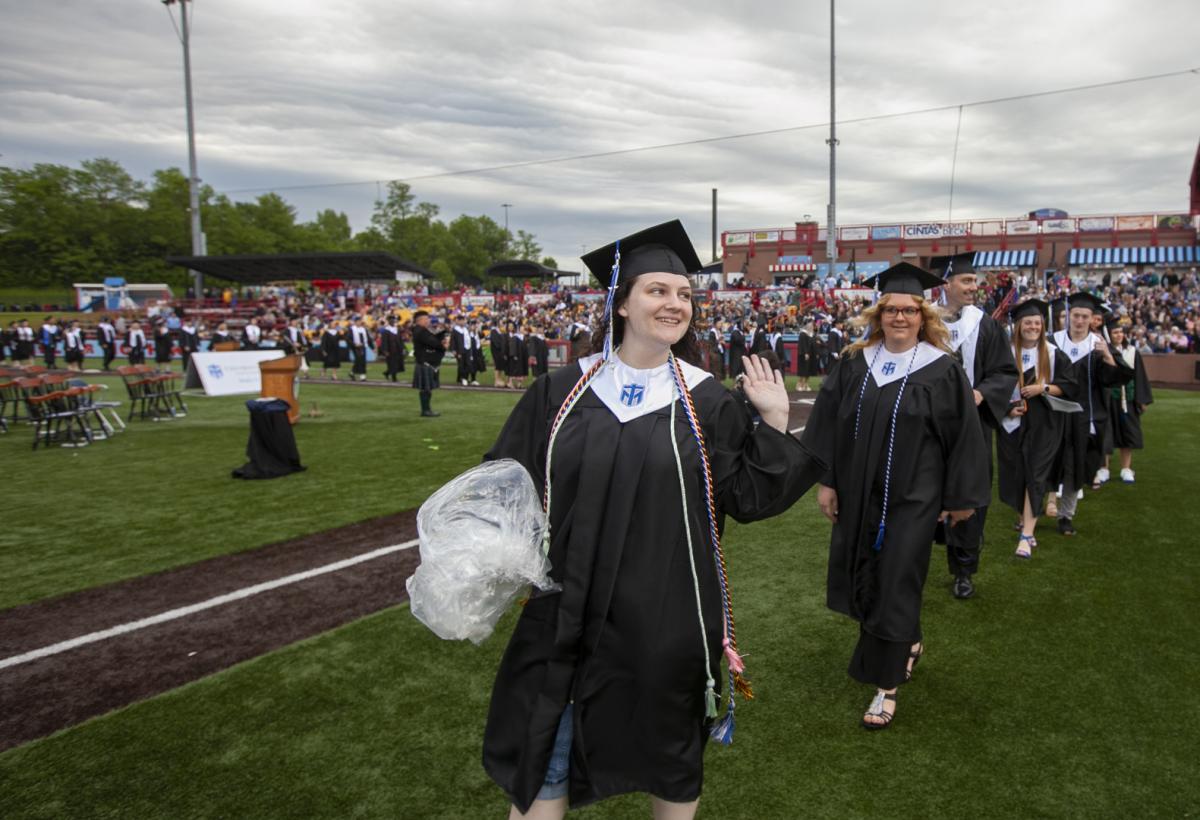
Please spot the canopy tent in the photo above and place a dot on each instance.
(260, 268)
(524, 269)
(1151, 255)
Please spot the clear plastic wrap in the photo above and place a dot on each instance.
(481, 544)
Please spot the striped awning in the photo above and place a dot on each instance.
(1005, 259)
(1173, 255)
(794, 268)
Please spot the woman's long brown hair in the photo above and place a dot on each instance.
(1043, 356)
(933, 329)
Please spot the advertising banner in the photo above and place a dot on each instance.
(1096, 223)
(885, 232)
(1135, 223)
(1020, 226)
(478, 300)
(739, 238)
(766, 236)
(228, 374)
(993, 228)
(855, 234)
(1058, 226)
(1175, 221)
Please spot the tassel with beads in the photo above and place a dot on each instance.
(722, 730)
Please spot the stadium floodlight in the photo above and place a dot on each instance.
(198, 243)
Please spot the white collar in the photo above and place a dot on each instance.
(1074, 350)
(631, 393)
(887, 367)
(965, 326)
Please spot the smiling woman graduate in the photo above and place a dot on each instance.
(896, 421)
(612, 685)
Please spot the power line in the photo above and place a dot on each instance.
(727, 138)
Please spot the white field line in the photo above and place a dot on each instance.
(191, 609)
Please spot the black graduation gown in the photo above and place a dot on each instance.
(1027, 455)
(518, 356)
(737, 350)
(939, 446)
(331, 349)
(162, 347)
(995, 372)
(499, 344)
(1125, 426)
(622, 639)
(758, 342)
(1082, 447)
(806, 355)
(540, 351)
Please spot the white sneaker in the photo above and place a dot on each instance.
(1103, 475)
(463, 382)
(1127, 475)
(474, 384)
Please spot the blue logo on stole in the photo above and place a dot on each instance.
(632, 394)
(889, 368)
(1074, 351)
(954, 335)
(215, 371)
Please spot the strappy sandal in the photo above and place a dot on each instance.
(1025, 545)
(914, 658)
(876, 710)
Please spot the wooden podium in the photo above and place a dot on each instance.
(225, 347)
(279, 381)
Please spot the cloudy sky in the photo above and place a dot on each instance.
(321, 100)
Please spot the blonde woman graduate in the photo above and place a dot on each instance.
(896, 421)
(614, 684)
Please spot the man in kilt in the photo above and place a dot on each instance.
(428, 349)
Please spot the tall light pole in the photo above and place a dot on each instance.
(831, 218)
(506, 206)
(193, 179)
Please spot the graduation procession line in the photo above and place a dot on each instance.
(191, 609)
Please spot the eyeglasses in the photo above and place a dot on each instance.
(907, 312)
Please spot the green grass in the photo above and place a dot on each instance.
(1064, 689)
(160, 495)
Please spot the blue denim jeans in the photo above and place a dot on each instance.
(555, 784)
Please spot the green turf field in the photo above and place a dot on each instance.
(1064, 689)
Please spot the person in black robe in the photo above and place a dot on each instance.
(189, 341)
(896, 422)
(48, 336)
(580, 337)
(539, 352)
(498, 342)
(1128, 401)
(162, 346)
(106, 336)
(518, 357)
(715, 342)
(1030, 434)
(360, 343)
(135, 344)
(389, 348)
(609, 685)
(460, 343)
(479, 365)
(23, 343)
(758, 340)
(806, 358)
(73, 347)
(1095, 371)
(983, 349)
(737, 349)
(219, 336)
(331, 350)
(428, 350)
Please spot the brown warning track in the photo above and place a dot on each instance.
(52, 693)
(45, 695)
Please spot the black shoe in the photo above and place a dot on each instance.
(430, 413)
(963, 587)
(1065, 527)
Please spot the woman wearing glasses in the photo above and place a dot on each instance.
(896, 420)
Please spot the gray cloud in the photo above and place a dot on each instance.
(312, 92)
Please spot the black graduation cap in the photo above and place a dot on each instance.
(1086, 301)
(904, 278)
(948, 266)
(1030, 307)
(664, 248)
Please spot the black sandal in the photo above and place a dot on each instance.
(915, 657)
(876, 710)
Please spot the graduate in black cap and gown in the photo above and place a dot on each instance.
(981, 347)
(498, 342)
(737, 349)
(1095, 372)
(1031, 432)
(612, 685)
(1128, 401)
(896, 422)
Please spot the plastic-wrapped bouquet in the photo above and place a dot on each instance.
(481, 545)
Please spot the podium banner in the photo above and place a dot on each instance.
(228, 374)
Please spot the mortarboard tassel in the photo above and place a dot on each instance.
(878, 545)
(722, 730)
(608, 302)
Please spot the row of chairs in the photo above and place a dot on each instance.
(59, 408)
(152, 395)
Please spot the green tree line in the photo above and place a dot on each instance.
(60, 225)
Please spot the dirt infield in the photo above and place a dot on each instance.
(42, 696)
